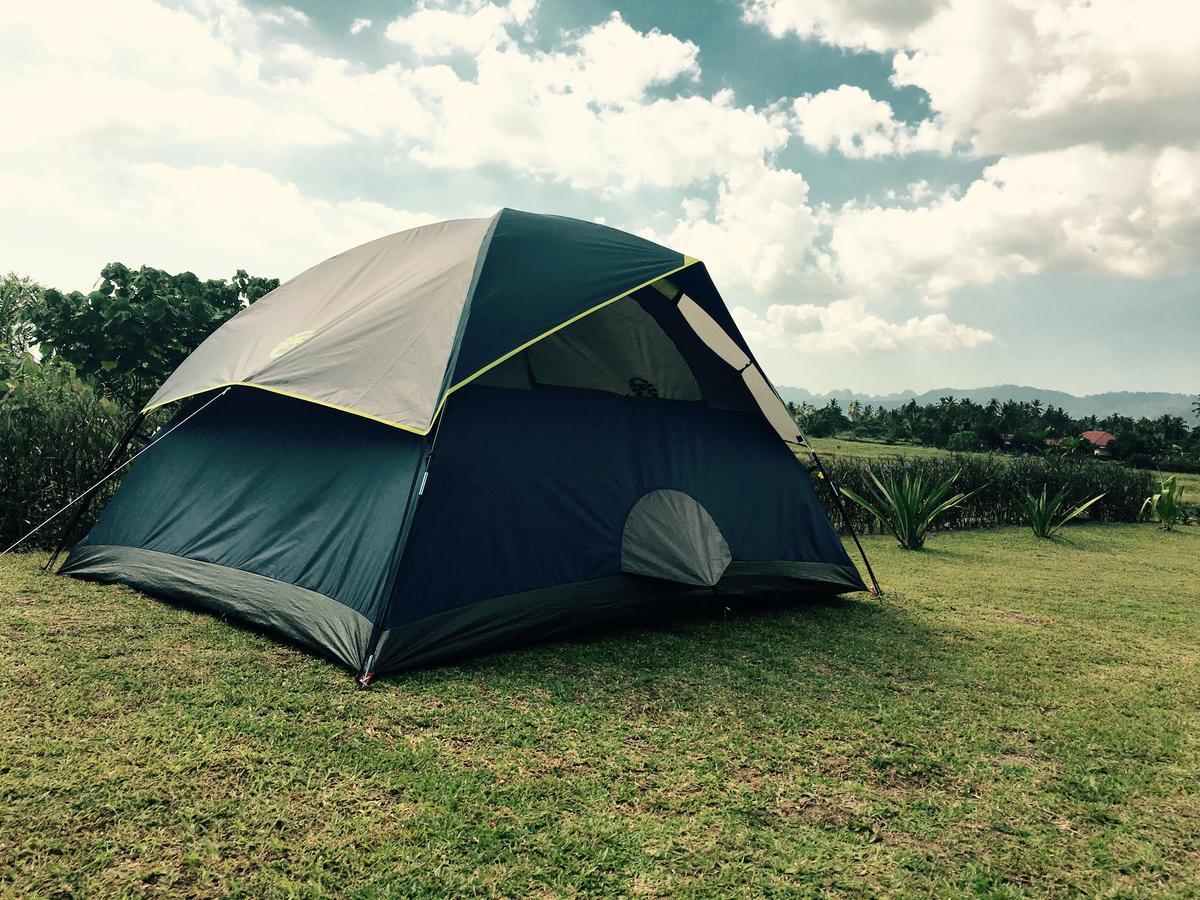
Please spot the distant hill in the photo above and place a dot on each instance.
(1136, 404)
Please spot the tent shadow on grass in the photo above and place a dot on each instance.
(721, 641)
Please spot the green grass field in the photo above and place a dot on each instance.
(875, 449)
(1016, 718)
(828, 446)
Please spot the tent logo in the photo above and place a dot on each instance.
(640, 387)
(290, 343)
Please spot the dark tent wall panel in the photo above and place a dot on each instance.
(540, 271)
(531, 489)
(289, 492)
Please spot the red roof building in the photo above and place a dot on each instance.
(1100, 440)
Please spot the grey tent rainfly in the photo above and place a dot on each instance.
(466, 435)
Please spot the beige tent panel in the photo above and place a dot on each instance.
(770, 404)
(712, 334)
(717, 340)
(369, 331)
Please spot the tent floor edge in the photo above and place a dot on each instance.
(307, 618)
(531, 617)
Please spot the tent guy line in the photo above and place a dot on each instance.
(101, 482)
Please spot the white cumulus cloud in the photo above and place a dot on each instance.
(759, 234)
(848, 326)
(434, 31)
(63, 224)
(1083, 209)
(1026, 75)
(584, 114)
(858, 24)
(848, 119)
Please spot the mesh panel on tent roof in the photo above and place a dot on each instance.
(625, 350)
(620, 350)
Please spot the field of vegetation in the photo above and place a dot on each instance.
(834, 447)
(1015, 717)
(1167, 442)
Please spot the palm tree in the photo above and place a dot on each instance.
(1173, 428)
(1196, 407)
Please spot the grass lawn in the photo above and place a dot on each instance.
(828, 446)
(1017, 718)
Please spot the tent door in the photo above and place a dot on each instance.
(669, 535)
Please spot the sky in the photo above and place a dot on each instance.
(906, 194)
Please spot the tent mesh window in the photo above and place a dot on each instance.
(631, 348)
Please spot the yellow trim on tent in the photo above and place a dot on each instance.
(687, 261)
(283, 393)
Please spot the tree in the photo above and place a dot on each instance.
(136, 328)
(1196, 407)
(19, 294)
(1172, 430)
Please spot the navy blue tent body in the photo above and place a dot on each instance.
(465, 436)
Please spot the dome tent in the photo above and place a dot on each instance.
(463, 435)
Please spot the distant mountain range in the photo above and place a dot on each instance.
(1136, 404)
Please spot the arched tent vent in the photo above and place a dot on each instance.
(670, 535)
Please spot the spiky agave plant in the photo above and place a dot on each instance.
(1045, 517)
(1166, 506)
(908, 508)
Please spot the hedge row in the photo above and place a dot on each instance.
(1004, 481)
(55, 431)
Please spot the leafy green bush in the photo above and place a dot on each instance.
(998, 485)
(55, 430)
(136, 328)
(963, 441)
(908, 506)
(1046, 517)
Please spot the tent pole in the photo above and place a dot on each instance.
(876, 590)
(86, 500)
(367, 674)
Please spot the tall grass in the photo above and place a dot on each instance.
(998, 486)
(54, 432)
